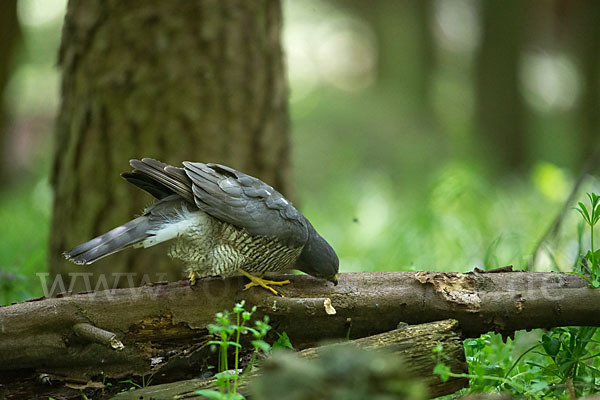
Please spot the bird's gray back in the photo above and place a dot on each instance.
(227, 195)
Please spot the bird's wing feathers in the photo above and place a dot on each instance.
(164, 176)
(226, 194)
(245, 202)
(147, 184)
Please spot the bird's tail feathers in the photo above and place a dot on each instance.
(115, 240)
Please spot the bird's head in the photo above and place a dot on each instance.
(318, 258)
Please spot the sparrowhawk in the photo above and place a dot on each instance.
(223, 220)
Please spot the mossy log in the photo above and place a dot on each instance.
(413, 344)
(162, 328)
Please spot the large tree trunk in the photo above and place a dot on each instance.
(174, 80)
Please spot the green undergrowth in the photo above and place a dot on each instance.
(563, 362)
(560, 363)
(228, 330)
(25, 216)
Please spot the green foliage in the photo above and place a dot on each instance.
(379, 223)
(283, 342)
(573, 369)
(571, 366)
(564, 362)
(25, 216)
(484, 374)
(560, 364)
(592, 256)
(228, 329)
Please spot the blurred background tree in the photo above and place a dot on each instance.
(9, 38)
(500, 132)
(176, 80)
(438, 134)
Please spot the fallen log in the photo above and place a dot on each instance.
(164, 326)
(413, 344)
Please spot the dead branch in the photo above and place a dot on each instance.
(163, 326)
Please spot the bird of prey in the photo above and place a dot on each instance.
(224, 222)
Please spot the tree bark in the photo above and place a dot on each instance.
(173, 80)
(414, 345)
(167, 323)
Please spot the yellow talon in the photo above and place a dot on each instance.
(264, 283)
(192, 277)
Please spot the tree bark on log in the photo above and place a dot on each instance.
(164, 326)
(414, 344)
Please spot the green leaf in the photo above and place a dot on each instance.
(594, 198)
(261, 344)
(239, 307)
(551, 345)
(283, 342)
(438, 349)
(584, 212)
(588, 280)
(211, 394)
(494, 370)
(565, 365)
(251, 330)
(225, 375)
(442, 370)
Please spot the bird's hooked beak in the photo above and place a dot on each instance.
(334, 280)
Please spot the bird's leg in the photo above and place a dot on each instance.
(256, 281)
(192, 277)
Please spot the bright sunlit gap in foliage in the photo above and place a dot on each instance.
(33, 87)
(549, 81)
(457, 26)
(40, 12)
(551, 181)
(327, 47)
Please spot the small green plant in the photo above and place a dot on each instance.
(228, 329)
(486, 378)
(591, 218)
(571, 371)
(105, 384)
(134, 385)
(283, 342)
